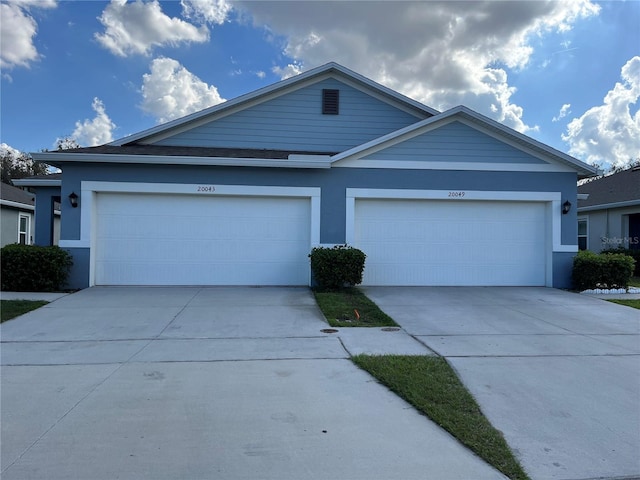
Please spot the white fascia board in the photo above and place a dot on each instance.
(524, 139)
(21, 206)
(300, 161)
(25, 182)
(386, 141)
(474, 120)
(608, 206)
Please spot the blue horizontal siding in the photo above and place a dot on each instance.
(454, 142)
(295, 121)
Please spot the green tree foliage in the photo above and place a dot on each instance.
(19, 165)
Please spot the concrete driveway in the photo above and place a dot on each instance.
(204, 383)
(558, 373)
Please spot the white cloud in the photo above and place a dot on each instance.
(97, 131)
(288, 71)
(135, 28)
(609, 134)
(440, 53)
(564, 111)
(171, 91)
(18, 32)
(209, 11)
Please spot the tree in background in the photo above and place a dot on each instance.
(66, 143)
(17, 164)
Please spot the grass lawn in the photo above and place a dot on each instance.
(340, 306)
(12, 308)
(432, 387)
(628, 303)
(635, 282)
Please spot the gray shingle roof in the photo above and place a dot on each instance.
(619, 187)
(14, 194)
(163, 150)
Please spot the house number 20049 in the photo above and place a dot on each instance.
(456, 194)
(206, 189)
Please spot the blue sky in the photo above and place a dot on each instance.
(565, 73)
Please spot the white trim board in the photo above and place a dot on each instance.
(470, 166)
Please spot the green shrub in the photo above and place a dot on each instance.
(337, 267)
(30, 268)
(607, 270)
(631, 253)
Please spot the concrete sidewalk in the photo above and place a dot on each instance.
(46, 296)
(556, 372)
(198, 383)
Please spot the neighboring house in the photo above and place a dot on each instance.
(17, 208)
(610, 216)
(239, 193)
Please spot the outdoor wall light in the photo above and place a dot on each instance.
(73, 199)
(566, 206)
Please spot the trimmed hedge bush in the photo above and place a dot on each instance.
(631, 253)
(30, 268)
(337, 267)
(605, 270)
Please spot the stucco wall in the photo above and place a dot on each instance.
(9, 224)
(333, 183)
(608, 228)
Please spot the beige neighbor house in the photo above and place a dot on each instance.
(610, 217)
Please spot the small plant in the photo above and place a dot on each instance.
(337, 267)
(30, 268)
(606, 270)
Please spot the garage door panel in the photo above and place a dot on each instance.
(153, 239)
(434, 242)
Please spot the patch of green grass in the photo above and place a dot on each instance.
(432, 386)
(634, 282)
(339, 308)
(628, 303)
(12, 308)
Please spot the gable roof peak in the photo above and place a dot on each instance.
(282, 87)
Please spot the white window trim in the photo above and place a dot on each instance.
(28, 232)
(552, 199)
(90, 189)
(581, 219)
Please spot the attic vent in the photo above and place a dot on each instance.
(330, 102)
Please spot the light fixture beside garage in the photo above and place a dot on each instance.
(566, 207)
(73, 199)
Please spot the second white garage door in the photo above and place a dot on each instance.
(439, 242)
(158, 239)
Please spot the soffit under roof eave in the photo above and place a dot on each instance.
(295, 161)
(609, 206)
(37, 182)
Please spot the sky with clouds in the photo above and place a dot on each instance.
(566, 73)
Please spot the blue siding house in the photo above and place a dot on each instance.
(239, 193)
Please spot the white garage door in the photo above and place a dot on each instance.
(437, 242)
(158, 239)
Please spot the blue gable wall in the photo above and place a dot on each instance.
(454, 142)
(294, 121)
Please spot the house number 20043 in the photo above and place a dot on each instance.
(206, 189)
(456, 194)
